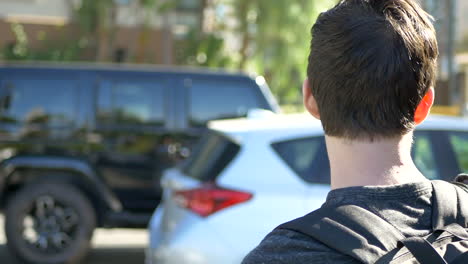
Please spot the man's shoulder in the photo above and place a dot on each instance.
(287, 246)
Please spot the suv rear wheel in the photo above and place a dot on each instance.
(49, 223)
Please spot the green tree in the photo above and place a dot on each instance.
(274, 39)
(203, 49)
(61, 49)
(19, 49)
(97, 22)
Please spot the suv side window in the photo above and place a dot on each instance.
(218, 99)
(459, 141)
(306, 157)
(45, 102)
(131, 103)
(423, 155)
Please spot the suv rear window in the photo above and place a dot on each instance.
(44, 102)
(307, 157)
(227, 99)
(210, 156)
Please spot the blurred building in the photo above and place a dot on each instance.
(38, 18)
(462, 57)
(462, 21)
(452, 27)
(132, 33)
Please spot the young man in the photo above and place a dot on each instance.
(371, 73)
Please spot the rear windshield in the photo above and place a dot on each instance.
(242, 97)
(210, 156)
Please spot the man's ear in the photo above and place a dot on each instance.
(309, 100)
(424, 107)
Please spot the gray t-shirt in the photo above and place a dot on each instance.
(407, 207)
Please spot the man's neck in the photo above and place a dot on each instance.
(363, 163)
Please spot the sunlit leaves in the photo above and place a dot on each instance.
(280, 42)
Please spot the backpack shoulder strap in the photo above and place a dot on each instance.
(450, 204)
(350, 230)
(359, 233)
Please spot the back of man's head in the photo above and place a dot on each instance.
(371, 63)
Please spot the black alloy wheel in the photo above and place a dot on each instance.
(50, 226)
(49, 223)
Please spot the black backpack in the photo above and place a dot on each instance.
(368, 238)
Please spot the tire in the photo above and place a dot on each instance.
(49, 223)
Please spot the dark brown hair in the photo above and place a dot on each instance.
(371, 63)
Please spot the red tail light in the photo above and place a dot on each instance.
(209, 199)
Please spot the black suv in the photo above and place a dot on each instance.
(84, 146)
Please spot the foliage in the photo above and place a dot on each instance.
(19, 49)
(205, 50)
(274, 40)
(52, 50)
(273, 37)
(158, 5)
(281, 40)
(91, 14)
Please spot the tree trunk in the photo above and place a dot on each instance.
(203, 6)
(244, 31)
(167, 43)
(142, 43)
(106, 33)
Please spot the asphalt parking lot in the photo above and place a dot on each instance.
(116, 246)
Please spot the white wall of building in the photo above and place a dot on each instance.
(462, 19)
(41, 10)
(129, 14)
